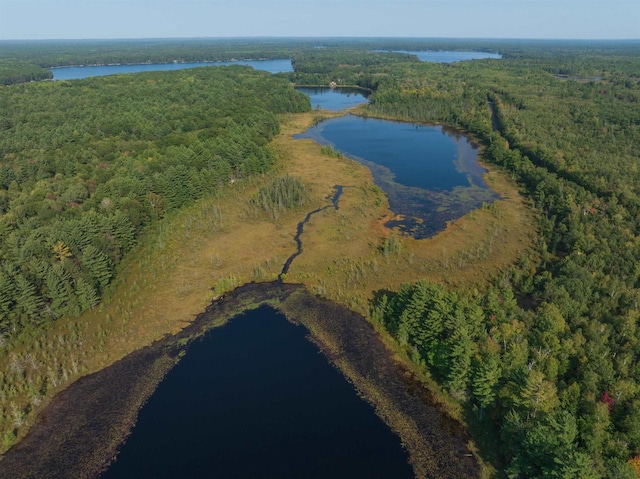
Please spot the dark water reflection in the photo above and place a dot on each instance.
(430, 174)
(255, 399)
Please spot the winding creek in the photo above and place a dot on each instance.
(204, 416)
(300, 229)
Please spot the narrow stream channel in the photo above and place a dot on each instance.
(334, 200)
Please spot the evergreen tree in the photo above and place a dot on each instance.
(124, 232)
(485, 377)
(86, 294)
(99, 265)
(28, 302)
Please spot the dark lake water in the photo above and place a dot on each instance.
(430, 174)
(335, 99)
(78, 72)
(441, 56)
(256, 399)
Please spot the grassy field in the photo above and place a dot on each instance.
(197, 254)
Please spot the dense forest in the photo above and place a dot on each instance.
(547, 359)
(20, 72)
(86, 165)
(23, 61)
(549, 356)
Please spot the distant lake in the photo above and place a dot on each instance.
(335, 99)
(256, 399)
(439, 56)
(430, 174)
(79, 72)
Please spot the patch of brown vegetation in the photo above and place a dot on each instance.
(437, 444)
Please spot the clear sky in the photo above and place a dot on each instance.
(580, 19)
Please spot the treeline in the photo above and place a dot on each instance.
(104, 52)
(87, 165)
(549, 357)
(314, 58)
(364, 68)
(12, 71)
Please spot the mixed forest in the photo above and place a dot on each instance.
(88, 164)
(546, 360)
(549, 354)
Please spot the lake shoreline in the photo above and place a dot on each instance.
(337, 87)
(173, 62)
(94, 415)
(80, 72)
(430, 174)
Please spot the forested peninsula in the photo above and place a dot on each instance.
(128, 203)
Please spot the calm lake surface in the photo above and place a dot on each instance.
(335, 99)
(441, 56)
(430, 174)
(79, 72)
(255, 399)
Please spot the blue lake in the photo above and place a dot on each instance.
(334, 99)
(79, 72)
(442, 56)
(256, 399)
(430, 174)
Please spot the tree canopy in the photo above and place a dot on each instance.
(547, 357)
(86, 165)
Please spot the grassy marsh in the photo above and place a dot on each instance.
(217, 244)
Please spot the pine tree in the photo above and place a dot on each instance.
(7, 297)
(58, 283)
(29, 302)
(61, 251)
(86, 295)
(414, 312)
(485, 378)
(99, 265)
(124, 231)
(459, 349)
(538, 394)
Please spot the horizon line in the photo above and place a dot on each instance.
(320, 37)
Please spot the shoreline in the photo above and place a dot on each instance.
(172, 62)
(346, 87)
(94, 429)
